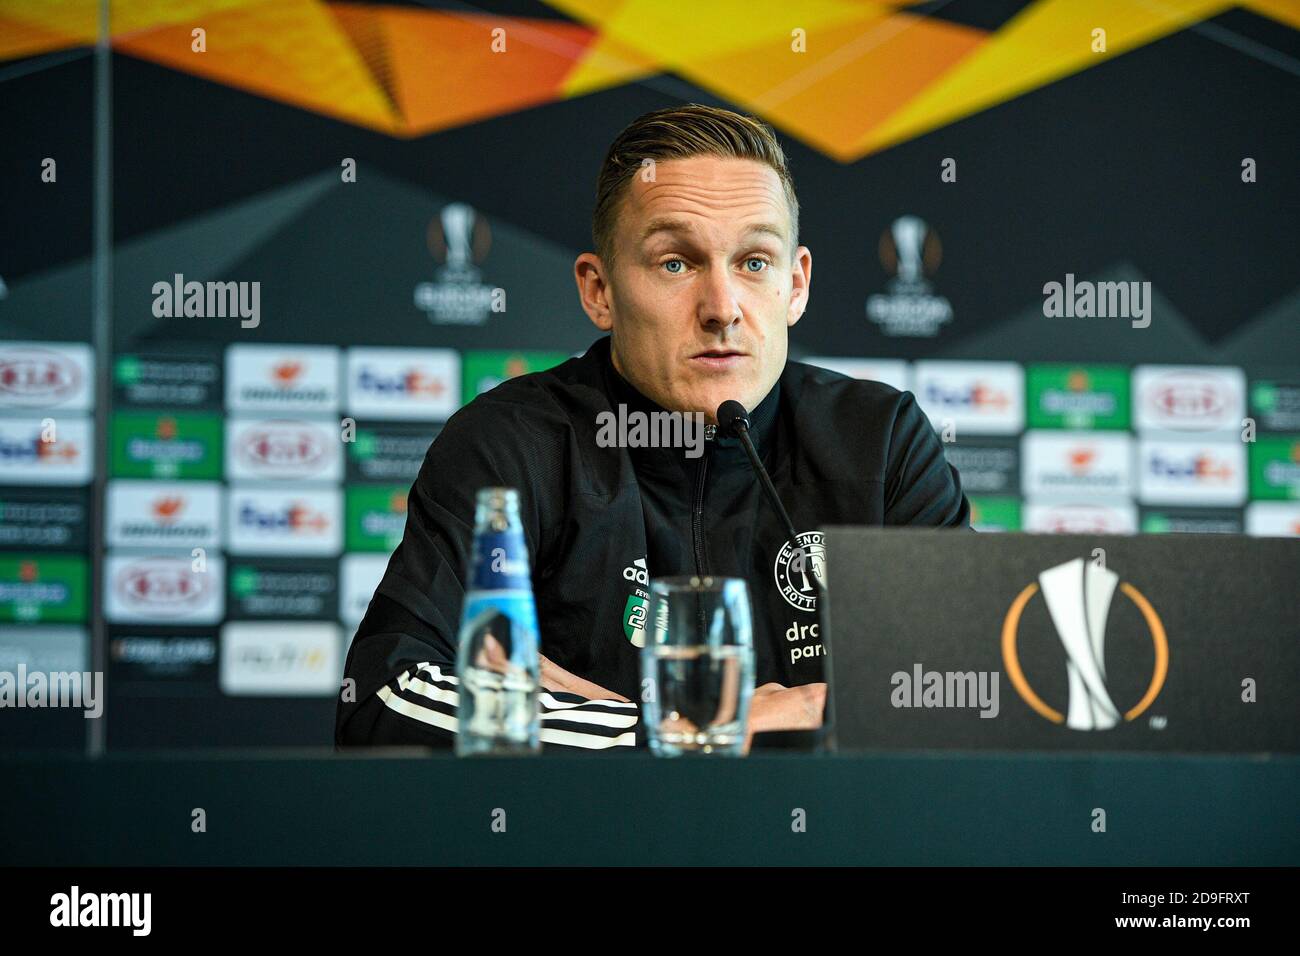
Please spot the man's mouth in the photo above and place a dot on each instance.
(719, 358)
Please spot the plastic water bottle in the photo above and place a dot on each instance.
(497, 657)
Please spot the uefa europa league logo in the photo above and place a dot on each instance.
(909, 249)
(909, 232)
(458, 237)
(1079, 605)
(457, 221)
(1078, 595)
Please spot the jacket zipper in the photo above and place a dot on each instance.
(697, 515)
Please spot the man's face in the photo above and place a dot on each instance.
(704, 287)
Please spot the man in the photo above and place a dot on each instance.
(697, 276)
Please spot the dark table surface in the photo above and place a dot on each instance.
(290, 808)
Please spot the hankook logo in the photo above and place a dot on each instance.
(1078, 596)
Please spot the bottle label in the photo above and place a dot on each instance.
(500, 562)
(509, 617)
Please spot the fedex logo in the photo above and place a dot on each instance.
(1182, 472)
(403, 383)
(413, 382)
(1203, 468)
(978, 398)
(292, 522)
(298, 518)
(57, 454)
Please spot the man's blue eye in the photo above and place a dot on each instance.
(674, 262)
(756, 259)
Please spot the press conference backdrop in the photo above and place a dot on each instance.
(391, 197)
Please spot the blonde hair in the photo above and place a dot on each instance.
(678, 132)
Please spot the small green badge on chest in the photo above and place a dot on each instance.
(634, 619)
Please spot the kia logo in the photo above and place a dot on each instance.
(1187, 399)
(161, 585)
(37, 377)
(283, 447)
(1082, 519)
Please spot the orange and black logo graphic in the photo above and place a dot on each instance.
(1078, 597)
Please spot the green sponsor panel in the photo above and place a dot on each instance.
(165, 445)
(486, 370)
(994, 513)
(1077, 396)
(1156, 522)
(366, 446)
(43, 588)
(243, 581)
(1275, 468)
(375, 517)
(126, 370)
(1275, 404)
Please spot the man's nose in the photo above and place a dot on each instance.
(719, 308)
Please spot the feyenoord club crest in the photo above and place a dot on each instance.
(798, 565)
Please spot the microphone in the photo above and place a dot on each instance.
(734, 420)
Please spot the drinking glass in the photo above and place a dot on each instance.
(697, 666)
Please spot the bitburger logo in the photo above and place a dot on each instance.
(797, 564)
(1078, 595)
(161, 586)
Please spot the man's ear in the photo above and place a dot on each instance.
(593, 290)
(801, 273)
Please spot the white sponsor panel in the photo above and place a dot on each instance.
(284, 521)
(890, 371)
(1189, 398)
(1273, 519)
(282, 378)
(164, 589)
(359, 575)
(154, 514)
(1080, 517)
(45, 648)
(281, 659)
(28, 458)
(1076, 464)
(1191, 472)
(977, 398)
(421, 384)
(46, 375)
(281, 449)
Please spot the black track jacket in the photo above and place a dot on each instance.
(600, 521)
